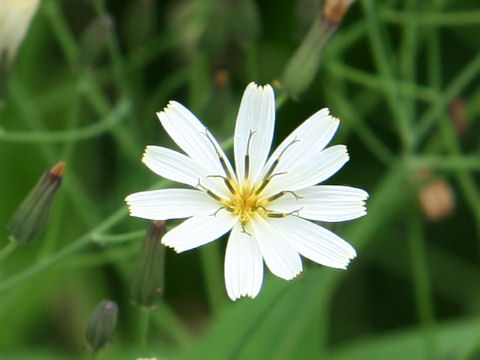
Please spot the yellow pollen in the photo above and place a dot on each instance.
(245, 203)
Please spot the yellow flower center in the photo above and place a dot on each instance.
(245, 203)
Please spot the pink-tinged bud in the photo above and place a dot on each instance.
(31, 217)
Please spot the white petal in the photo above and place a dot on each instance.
(193, 137)
(243, 265)
(281, 258)
(178, 167)
(167, 204)
(315, 242)
(309, 172)
(309, 138)
(329, 203)
(199, 230)
(255, 121)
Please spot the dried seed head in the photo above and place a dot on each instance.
(146, 287)
(102, 325)
(31, 217)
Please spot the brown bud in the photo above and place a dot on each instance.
(437, 200)
(334, 10)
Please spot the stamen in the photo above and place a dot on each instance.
(223, 162)
(277, 160)
(221, 208)
(282, 215)
(227, 181)
(209, 192)
(245, 231)
(281, 193)
(247, 154)
(266, 181)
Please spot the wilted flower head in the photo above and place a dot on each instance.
(266, 203)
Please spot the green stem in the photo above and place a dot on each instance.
(29, 111)
(465, 77)
(421, 283)
(454, 162)
(85, 133)
(144, 327)
(7, 250)
(213, 276)
(372, 81)
(166, 319)
(77, 245)
(384, 67)
(104, 239)
(434, 19)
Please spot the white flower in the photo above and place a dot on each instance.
(15, 17)
(266, 202)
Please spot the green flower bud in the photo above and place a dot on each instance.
(31, 217)
(303, 65)
(102, 325)
(94, 40)
(147, 286)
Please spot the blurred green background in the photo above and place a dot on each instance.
(403, 77)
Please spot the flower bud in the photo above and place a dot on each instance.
(102, 325)
(30, 219)
(437, 200)
(303, 65)
(94, 40)
(146, 287)
(334, 10)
